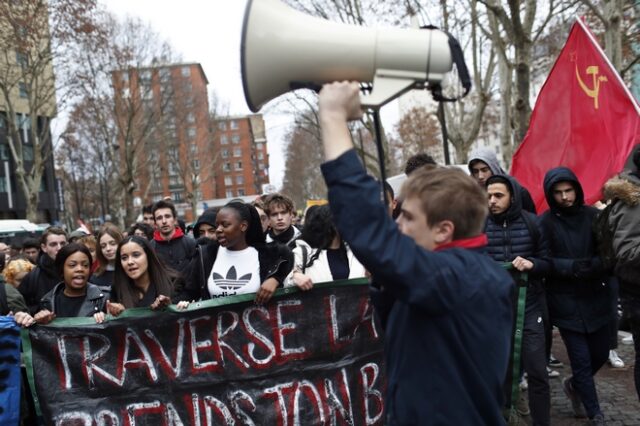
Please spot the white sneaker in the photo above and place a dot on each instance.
(615, 360)
(524, 384)
(552, 373)
(627, 340)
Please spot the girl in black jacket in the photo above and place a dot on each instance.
(140, 279)
(239, 262)
(74, 296)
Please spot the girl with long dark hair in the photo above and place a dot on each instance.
(140, 279)
(108, 239)
(320, 254)
(239, 261)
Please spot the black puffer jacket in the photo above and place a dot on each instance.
(576, 292)
(276, 260)
(517, 232)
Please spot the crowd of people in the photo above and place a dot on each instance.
(442, 256)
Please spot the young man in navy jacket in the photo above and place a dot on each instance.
(445, 304)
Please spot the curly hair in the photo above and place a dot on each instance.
(15, 267)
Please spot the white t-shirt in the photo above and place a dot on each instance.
(234, 272)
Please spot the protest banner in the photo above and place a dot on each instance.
(304, 358)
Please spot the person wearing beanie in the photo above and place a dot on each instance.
(206, 224)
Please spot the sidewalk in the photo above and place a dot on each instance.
(615, 387)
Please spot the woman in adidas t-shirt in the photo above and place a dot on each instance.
(239, 262)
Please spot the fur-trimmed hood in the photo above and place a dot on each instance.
(625, 187)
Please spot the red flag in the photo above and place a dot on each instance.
(585, 118)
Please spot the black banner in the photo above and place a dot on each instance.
(305, 358)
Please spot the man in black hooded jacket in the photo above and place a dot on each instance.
(577, 298)
(515, 237)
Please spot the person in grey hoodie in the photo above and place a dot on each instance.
(483, 163)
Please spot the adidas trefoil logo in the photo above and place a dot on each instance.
(231, 282)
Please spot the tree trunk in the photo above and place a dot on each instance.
(613, 32)
(504, 71)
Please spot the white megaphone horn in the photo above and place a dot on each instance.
(283, 50)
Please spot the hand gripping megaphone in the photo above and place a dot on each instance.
(283, 50)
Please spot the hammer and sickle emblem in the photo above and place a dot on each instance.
(595, 90)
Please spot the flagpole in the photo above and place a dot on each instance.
(606, 59)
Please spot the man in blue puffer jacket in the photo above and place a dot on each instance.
(447, 304)
(516, 237)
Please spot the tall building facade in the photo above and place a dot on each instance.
(175, 147)
(26, 72)
(170, 139)
(242, 159)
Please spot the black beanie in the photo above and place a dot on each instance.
(208, 217)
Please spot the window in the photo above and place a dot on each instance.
(229, 193)
(222, 125)
(234, 124)
(191, 132)
(165, 75)
(124, 77)
(191, 117)
(157, 198)
(193, 149)
(228, 181)
(260, 156)
(196, 164)
(237, 152)
(240, 192)
(24, 93)
(43, 185)
(261, 166)
(177, 196)
(259, 145)
(27, 153)
(174, 181)
(239, 165)
(235, 139)
(22, 59)
(240, 180)
(4, 152)
(173, 154)
(145, 76)
(224, 140)
(173, 169)
(186, 71)
(3, 184)
(227, 167)
(225, 153)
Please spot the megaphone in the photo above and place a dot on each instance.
(283, 50)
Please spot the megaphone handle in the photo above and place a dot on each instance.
(385, 89)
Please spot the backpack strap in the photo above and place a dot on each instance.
(305, 255)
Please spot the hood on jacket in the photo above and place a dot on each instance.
(487, 156)
(208, 217)
(177, 234)
(515, 189)
(561, 174)
(624, 187)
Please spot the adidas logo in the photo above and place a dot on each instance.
(231, 282)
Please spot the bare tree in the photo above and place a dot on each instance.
(124, 118)
(35, 35)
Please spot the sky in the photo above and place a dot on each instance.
(208, 32)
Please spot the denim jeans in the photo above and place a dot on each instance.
(587, 353)
(631, 310)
